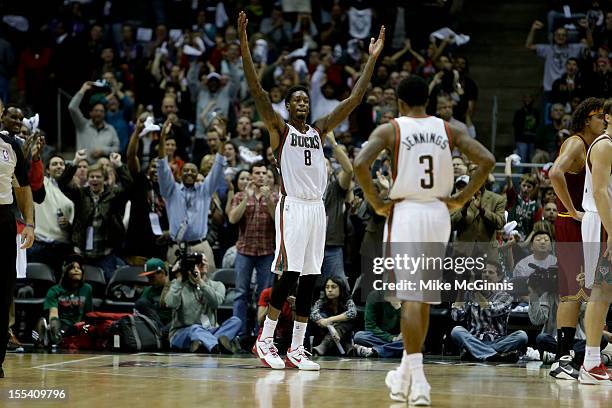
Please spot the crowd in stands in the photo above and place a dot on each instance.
(170, 150)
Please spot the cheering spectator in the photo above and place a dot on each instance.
(254, 210)
(557, 54)
(54, 218)
(334, 198)
(93, 135)
(98, 230)
(187, 203)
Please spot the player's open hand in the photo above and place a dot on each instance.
(242, 24)
(376, 46)
(577, 215)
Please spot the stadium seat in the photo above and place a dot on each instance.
(95, 277)
(226, 276)
(124, 289)
(40, 277)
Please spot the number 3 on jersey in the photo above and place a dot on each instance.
(427, 183)
(307, 157)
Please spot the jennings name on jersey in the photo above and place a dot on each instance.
(422, 159)
(302, 166)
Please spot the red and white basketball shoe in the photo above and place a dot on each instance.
(298, 358)
(599, 375)
(268, 353)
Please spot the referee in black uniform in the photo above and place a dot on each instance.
(13, 178)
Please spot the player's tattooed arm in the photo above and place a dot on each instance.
(571, 151)
(343, 110)
(274, 122)
(476, 153)
(382, 138)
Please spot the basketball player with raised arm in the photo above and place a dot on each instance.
(567, 177)
(417, 210)
(596, 228)
(300, 214)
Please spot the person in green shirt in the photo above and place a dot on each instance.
(151, 302)
(66, 303)
(382, 336)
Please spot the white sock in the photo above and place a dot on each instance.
(415, 365)
(299, 331)
(592, 357)
(404, 368)
(268, 328)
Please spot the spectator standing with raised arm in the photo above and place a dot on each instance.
(93, 134)
(555, 55)
(334, 198)
(187, 203)
(55, 216)
(98, 229)
(253, 210)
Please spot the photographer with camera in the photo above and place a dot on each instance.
(194, 299)
(541, 247)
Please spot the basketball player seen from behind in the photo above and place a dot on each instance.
(597, 227)
(417, 209)
(567, 177)
(300, 214)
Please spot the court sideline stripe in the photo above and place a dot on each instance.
(72, 361)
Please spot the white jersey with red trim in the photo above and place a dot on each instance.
(422, 160)
(302, 166)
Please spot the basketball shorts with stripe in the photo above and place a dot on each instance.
(597, 269)
(416, 230)
(300, 236)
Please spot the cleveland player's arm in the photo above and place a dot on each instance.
(571, 150)
(476, 153)
(274, 122)
(330, 121)
(601, 163)
(382, 138)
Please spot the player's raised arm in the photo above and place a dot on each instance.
(382, 138)
(274, 122)
(478, 154)
(570, 151)
(330, 121)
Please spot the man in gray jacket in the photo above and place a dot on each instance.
(93, 134)
(194, 304)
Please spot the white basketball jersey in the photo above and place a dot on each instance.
(422, 160)
(588, 200)
(303, 171)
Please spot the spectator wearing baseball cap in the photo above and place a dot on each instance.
(151, 302)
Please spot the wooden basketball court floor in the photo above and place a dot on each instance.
(199, 380)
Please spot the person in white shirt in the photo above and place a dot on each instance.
(541, 245)
(54, 218)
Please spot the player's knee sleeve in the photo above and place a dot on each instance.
(281, 288)
(303, 300)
